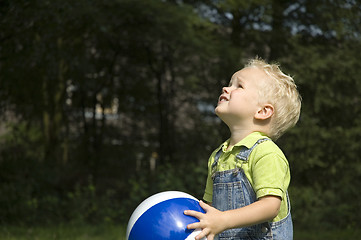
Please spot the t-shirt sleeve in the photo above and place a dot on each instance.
(270, 175)
(208, 193)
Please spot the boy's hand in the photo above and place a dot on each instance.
(211, 222)
(214, 221)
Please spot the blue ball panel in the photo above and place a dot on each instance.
(165, 220)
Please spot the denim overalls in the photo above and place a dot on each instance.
(232, 190)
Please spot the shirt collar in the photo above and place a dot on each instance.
(248, 141)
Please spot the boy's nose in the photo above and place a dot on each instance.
(226, 89)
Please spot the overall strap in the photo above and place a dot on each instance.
(245, 152)
(216, 157)
(242, 155)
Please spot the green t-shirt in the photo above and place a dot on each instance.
(267, 169)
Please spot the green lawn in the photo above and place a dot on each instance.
(335, 234)
(114, 232)
(63, 232)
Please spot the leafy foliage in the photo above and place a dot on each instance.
(104, 103)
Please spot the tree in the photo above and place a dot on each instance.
(109, 102)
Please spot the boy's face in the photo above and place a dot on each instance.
(240, 100)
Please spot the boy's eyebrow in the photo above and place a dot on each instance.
(238, 79)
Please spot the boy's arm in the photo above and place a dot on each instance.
(215, 221)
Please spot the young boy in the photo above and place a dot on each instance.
(248, 175)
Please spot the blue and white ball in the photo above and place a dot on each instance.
(161, 217)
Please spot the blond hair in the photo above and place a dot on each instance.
(281, 91)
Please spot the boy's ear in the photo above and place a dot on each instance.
(265, 112)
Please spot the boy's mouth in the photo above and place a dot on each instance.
(223, 98)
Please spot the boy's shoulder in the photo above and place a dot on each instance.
(268, 149)
(260, 144)
(255, 138)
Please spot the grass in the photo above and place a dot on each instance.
(334, 234)
(63, 232)
(116, 232)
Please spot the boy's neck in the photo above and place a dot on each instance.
(240, 131)
(237, 135)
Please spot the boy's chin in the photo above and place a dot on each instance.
(220, 114)
(218, 111)
(221, 111)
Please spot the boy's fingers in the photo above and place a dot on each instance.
(204, 205)
(203, 234)
(193, 213)
(193, 225)
(210, 237)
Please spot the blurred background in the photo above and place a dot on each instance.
(104, 103)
